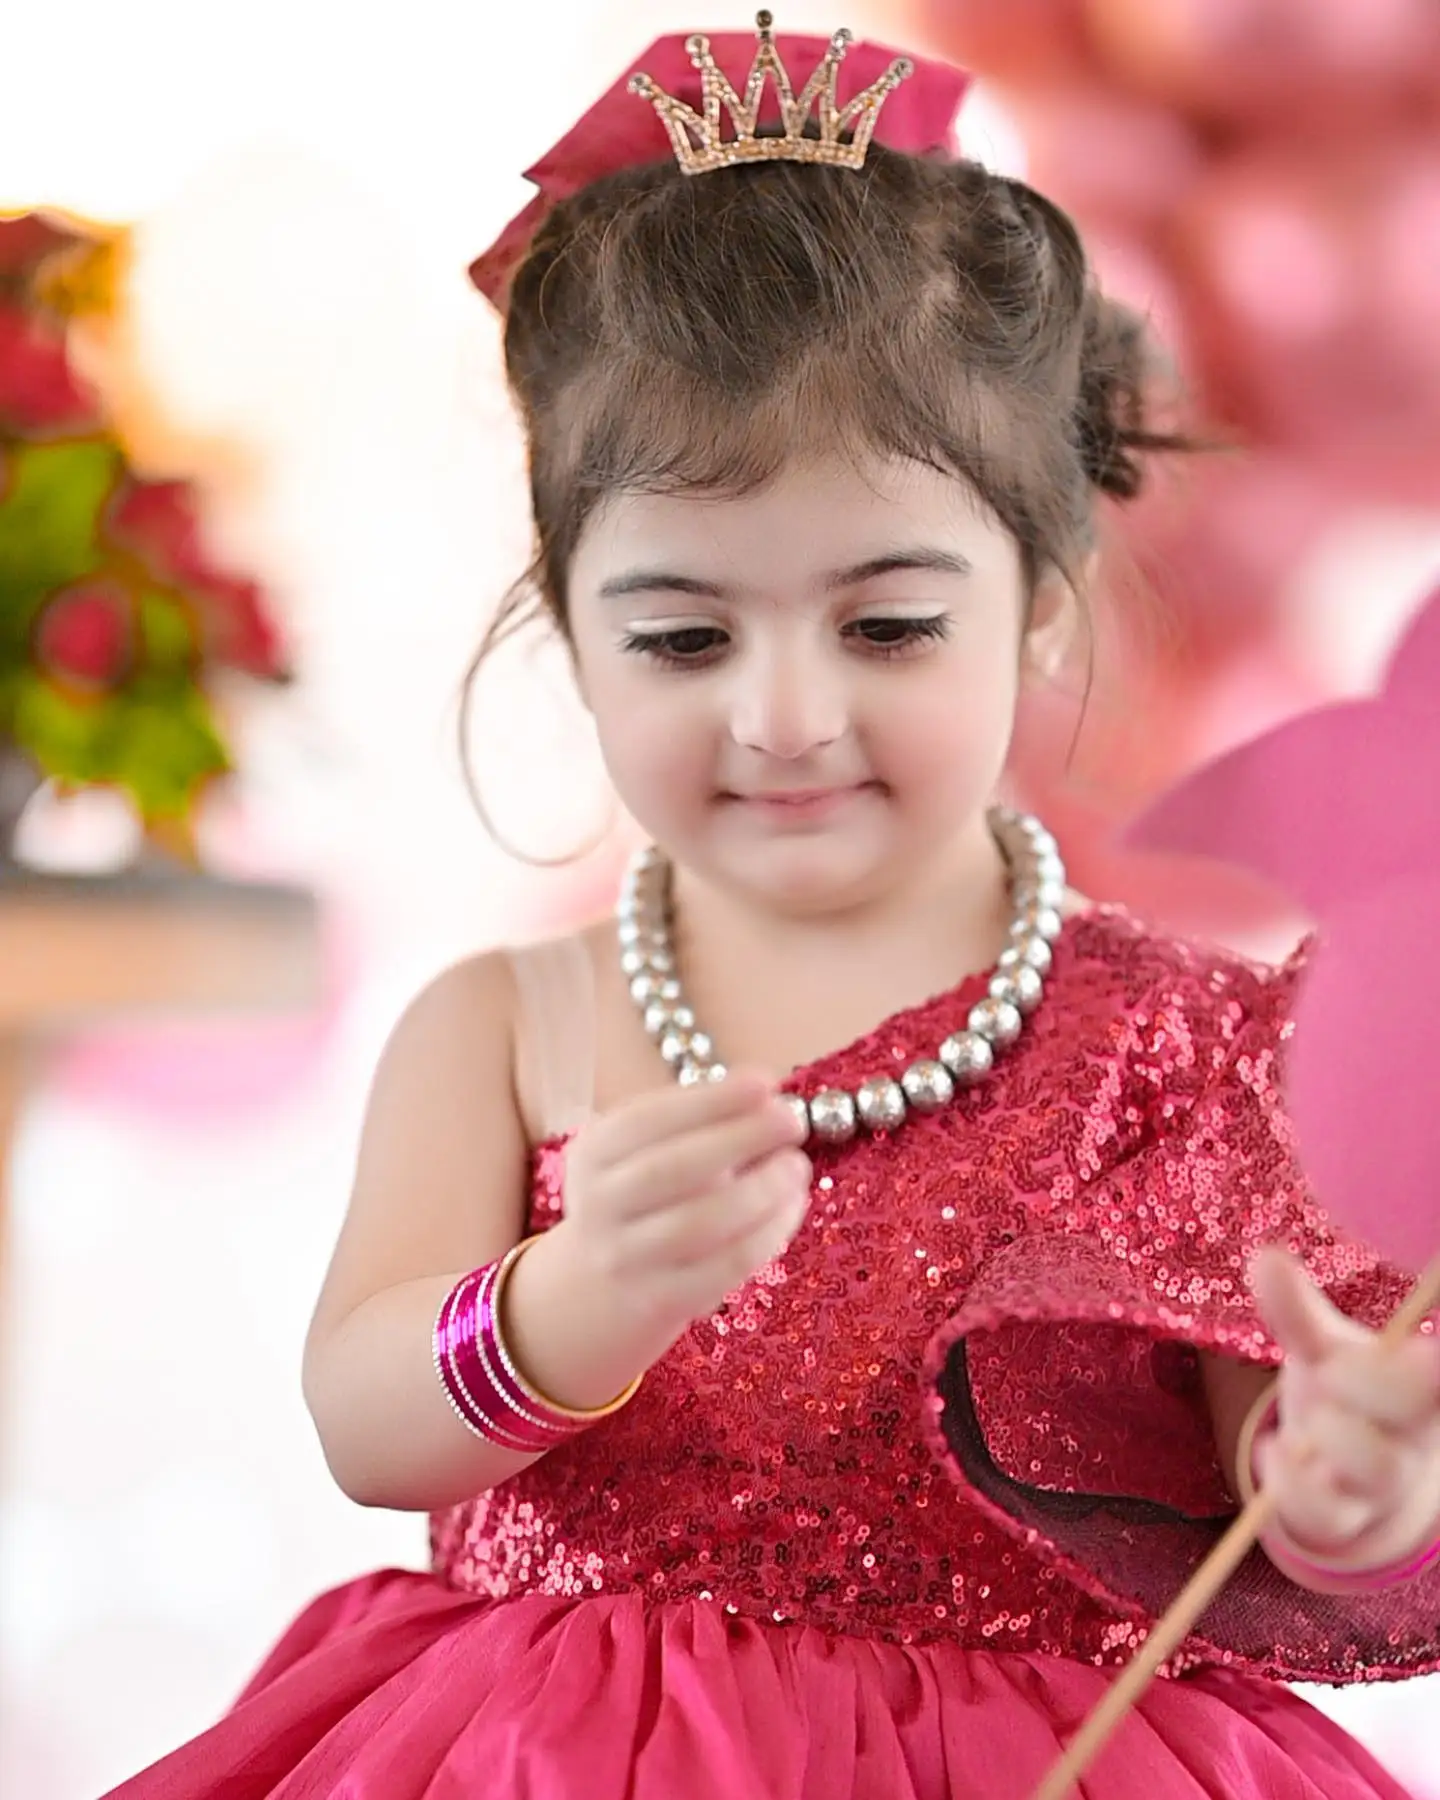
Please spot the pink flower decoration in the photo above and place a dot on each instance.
(1341, 807)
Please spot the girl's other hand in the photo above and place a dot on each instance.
(1355, 1461)
(678, 1197)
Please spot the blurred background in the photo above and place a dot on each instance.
(260, 490)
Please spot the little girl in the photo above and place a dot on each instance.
(840, 1432)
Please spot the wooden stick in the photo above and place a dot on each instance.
(1174, 1627)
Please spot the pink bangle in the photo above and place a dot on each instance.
(485, 1389)
(1262, 1418)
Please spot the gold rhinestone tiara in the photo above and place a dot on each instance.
(845, 133)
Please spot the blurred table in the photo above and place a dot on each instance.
(79, 951)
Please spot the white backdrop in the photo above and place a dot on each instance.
(314, 180)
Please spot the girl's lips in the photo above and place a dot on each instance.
(800, 802)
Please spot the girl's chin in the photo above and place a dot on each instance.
(811, 872)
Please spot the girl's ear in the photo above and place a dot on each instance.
(1054, 614)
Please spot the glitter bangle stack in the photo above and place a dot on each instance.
(486, 1390)
(1262, 1420)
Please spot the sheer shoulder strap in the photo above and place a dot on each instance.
(555, 1035)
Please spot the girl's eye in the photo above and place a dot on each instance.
(893, 637)
(682, 645)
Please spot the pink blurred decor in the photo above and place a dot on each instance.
(195, 1072)
(1342, 808)
(1262, 177)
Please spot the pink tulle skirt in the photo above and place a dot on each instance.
(394, 1687)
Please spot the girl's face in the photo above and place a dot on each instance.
(807, 693)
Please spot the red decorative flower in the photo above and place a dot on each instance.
(157, 520)
(37, 387)
(27, 238)
(83, 635)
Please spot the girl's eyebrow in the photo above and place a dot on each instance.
(933, 560)
(660, 581)
(670, 581)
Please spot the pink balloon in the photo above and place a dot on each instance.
(1217, 542)
(1256, 59)
(1017, 40)
(1308, 273)
(1407, 239)
(1104, 155)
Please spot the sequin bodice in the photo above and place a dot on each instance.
(777, 1460)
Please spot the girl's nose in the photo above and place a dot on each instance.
(787, 705)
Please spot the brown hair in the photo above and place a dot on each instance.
(671, 333)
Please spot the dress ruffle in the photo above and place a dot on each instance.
(395, 1687)
(1064, 1393)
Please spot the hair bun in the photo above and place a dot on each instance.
(1118, 371)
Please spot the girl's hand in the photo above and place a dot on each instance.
(1355, 1463)
(678, 1197)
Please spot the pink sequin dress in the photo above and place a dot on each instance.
(884, 1526)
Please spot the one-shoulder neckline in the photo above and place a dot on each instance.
(804, 1074)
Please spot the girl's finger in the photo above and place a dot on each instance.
(1308, 1508)
(674, 1171)
(1301, 1320)
(1397, 1387)
(668, 1112)
(717, 1227)
(1343, 1450)
(778, 1188)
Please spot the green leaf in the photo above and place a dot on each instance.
(71, 739)
(167, 633)
(49, 518)
(170, 751)
(10, 683)
(159, 747)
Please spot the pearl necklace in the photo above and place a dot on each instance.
(1037, 892)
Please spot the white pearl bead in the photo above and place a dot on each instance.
(996, 1020)
(832, 1115)
(801, 1110)
(1038, 921)
(1021, 987)
(880, 1103)
(968, 1056)
(1033, 952)
(1033, 895)
(661, 1016)
(928, 1086)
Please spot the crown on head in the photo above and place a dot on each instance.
(845, 133)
